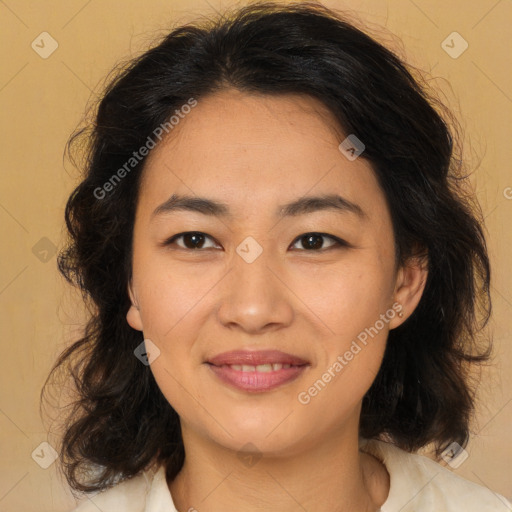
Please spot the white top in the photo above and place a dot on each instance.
(417, 484)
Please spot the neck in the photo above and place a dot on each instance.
(332, 476)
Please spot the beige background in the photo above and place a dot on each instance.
(42, 101)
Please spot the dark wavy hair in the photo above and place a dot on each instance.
(120, 423)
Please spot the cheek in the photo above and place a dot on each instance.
(351, 301)
(350, 297)
(335, 394)
(349, 359)
(171, 295)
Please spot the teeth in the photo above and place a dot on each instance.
(265, 368)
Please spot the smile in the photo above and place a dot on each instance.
(265, 368)
(258, 378)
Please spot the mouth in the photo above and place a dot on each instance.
(262, 368)
(256, 358)
(257, 371)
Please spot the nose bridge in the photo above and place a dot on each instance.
(253, 297)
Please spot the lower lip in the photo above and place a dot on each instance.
(257, 381)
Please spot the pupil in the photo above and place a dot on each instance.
(197, 240)
(313, 242)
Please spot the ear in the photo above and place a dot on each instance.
(133, 315)
(409, 286)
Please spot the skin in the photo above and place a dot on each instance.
(254, 153)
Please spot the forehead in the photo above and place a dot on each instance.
(254, 151)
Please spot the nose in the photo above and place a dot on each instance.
(255, 297)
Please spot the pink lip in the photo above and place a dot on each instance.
(255, 358)
(256, 381)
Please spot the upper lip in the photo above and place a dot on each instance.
(255, 358)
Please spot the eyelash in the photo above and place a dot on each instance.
(338, 242)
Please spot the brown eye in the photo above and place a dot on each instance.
(195, 240)
(315, 241)
(192, 240)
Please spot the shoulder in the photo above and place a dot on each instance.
(418, 483)
(126, 496)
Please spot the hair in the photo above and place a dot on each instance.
(120, 422)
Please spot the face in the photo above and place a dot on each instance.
(264, 272)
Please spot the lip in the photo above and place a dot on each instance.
(254, 358)
(256, 381)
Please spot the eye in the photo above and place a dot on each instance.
(196, 240)
(191, 240)
(315, 241)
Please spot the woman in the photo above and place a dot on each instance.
(286, 273)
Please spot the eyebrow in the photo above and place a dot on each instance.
(301, 206)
